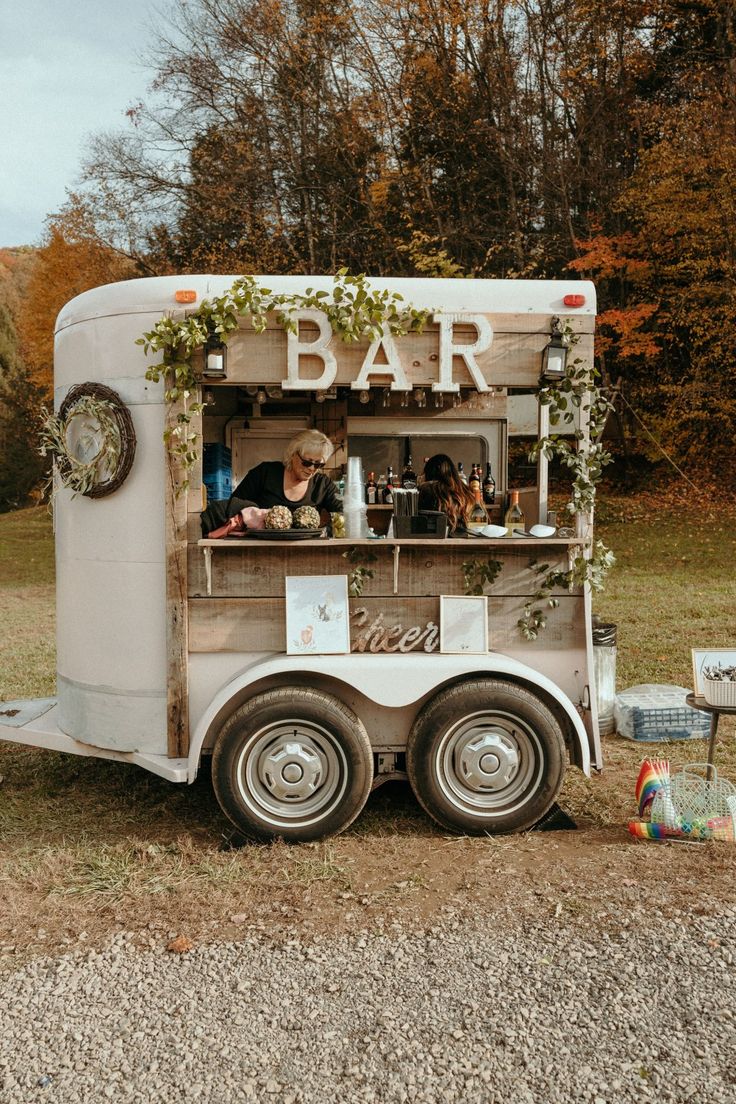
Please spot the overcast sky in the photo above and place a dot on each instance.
(66, 72)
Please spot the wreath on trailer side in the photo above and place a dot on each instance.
(91, 439)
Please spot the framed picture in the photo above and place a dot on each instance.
(317, 615)
(710, 657)
(463, 624)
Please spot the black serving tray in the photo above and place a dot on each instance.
(278, 534)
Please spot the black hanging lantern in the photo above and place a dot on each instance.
(215, 359)
(554, 356)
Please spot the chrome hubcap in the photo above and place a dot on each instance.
(292, 772)
(486, 762)
(489, 763)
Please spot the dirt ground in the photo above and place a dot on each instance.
(392, 866)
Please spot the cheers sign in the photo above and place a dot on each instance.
(377, 636)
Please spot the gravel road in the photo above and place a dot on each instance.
(468, 1010)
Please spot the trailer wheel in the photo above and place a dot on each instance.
(486, 755)
(292, 763)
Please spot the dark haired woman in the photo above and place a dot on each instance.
(444, 490)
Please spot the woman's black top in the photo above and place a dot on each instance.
(263, 486)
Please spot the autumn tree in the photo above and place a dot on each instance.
(453, 137)
(21, 466)
(71, 260)
(670, 276)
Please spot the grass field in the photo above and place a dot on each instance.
(100, 845)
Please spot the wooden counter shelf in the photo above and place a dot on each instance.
(236, 588)
(371, 542)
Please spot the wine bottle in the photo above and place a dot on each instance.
(478, 516)
(514, 518)
(489, 487)
(388, 491)
(474, 483)
(461, 473)
(371, 490)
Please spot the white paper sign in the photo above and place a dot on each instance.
(317, 617)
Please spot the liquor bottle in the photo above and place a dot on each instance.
(408, 476)
(371, 490)
(388, 491)
(478, 516)
(461, 473)
(514, 517)
(489, 487)
(474, 480)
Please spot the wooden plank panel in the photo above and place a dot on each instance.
(423, 571)
(194, 475)
(258, 624)
(194, 527)
(501, 321)
(513, 358)
(177, 645)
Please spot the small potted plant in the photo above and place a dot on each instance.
(719, 685)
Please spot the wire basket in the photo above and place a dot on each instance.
(719, 692)
(696, 804)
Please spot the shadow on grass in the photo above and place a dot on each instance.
(49, 795)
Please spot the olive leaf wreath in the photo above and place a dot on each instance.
(106, 426)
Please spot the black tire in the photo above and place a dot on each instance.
(292, 763)
(486, 756)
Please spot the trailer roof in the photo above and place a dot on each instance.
(156, 294)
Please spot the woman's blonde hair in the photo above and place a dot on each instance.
(311, 441)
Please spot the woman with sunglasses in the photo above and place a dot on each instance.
(298, 481)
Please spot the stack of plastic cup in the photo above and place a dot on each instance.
(354, 507)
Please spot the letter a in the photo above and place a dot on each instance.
(393, 368)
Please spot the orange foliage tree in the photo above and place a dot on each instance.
(71, 260)
(510, 138)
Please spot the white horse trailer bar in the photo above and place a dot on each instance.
(114, 668)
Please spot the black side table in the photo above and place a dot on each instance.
(715, 711)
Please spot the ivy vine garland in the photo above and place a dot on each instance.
(477, 574)
(360, 574)
(106, 438)
(355, 312)
(585, 569)
(563, 398)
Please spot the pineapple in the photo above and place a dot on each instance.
(306, 517)
(278, 517)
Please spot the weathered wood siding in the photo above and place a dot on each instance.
(246, 608)
(513, 359)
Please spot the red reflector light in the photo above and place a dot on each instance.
(185, 296)
(574, 300)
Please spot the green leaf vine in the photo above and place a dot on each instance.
(578, 390)
(360, 574)
(478, 574)
(585, 569)
(354, 310)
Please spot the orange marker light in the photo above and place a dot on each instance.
(185, 296)
(574, 300)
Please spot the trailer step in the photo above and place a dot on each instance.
(34, 723)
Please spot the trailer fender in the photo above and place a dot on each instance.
(375, 676)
